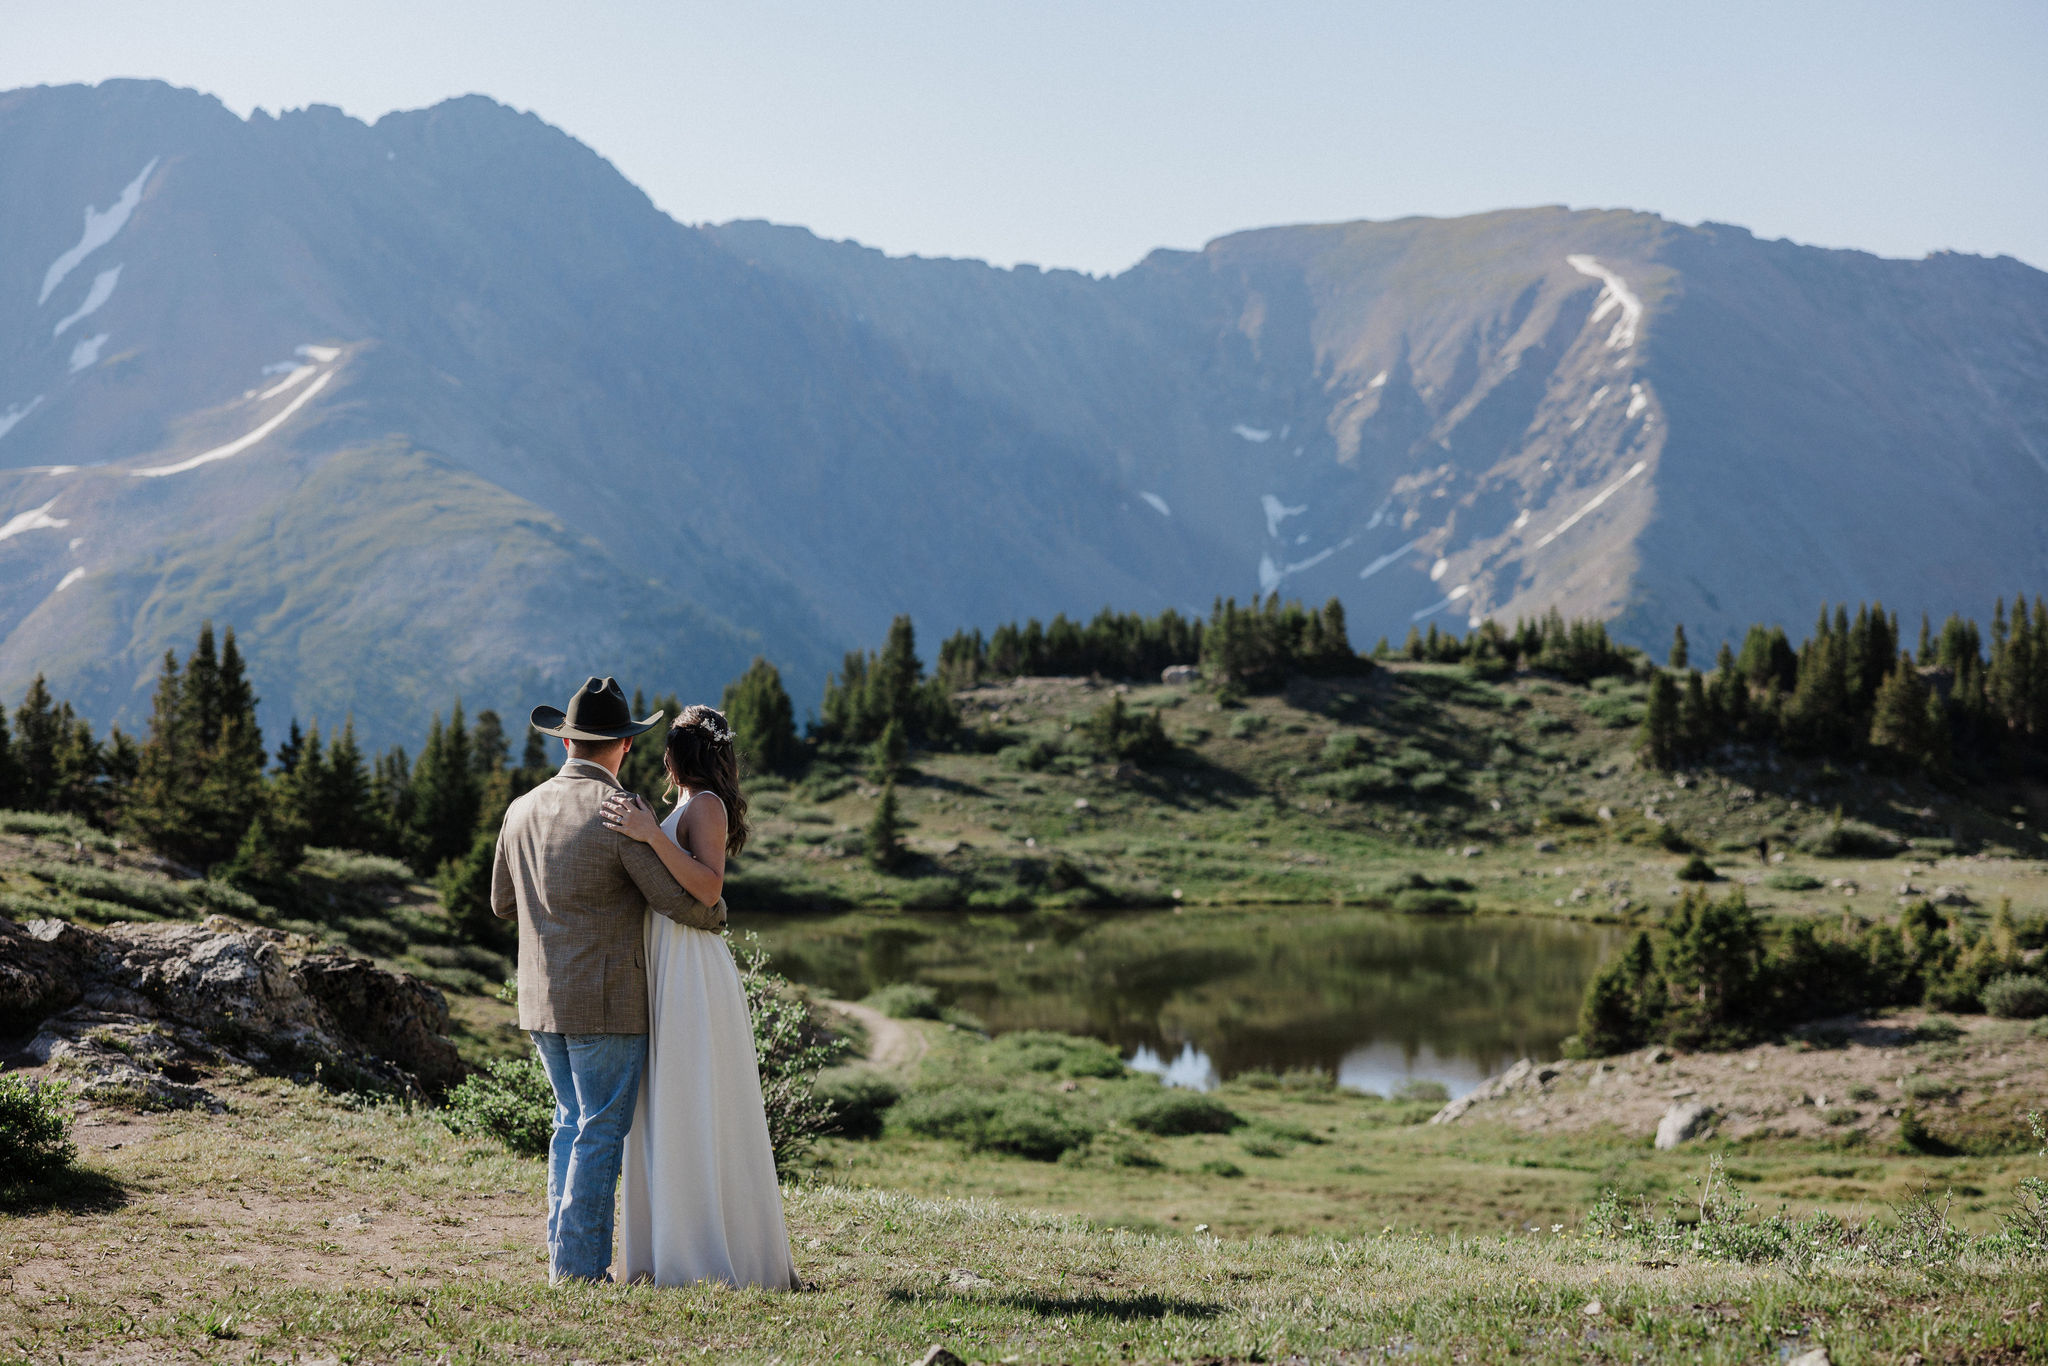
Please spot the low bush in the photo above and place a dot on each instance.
(65, 829)
(1419, 1091)
(906, 1001)
(35, 1130)
(1033, 756)
(995, 1121)
(1173, 1113)
(1065, 1055)
(2016, 996)
(510, 1100)
(1697, 869)
(1344, 748)
(1257, 1145)
(1221, 1166)
(1430, 903)
(859, 1099)
(150, 896)
(1359, 784)
(1793, 882)
(1935, 1029)
(1851, 839)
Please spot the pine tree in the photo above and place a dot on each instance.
(38, 734)
(294, 746)
(1680, 657)
(533, 756)
(12, 797)
(1899, 720)
(445, 796)
(885, 851)
(1698, 726)
(488, 748)
(346, 808)
(231, 788)
(763, 719)
(1659, 738)
(886, 755)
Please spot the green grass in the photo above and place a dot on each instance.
(293, 1226)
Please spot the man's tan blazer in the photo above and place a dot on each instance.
(581, 893)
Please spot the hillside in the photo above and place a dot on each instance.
(446, 398)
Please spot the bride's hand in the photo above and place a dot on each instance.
(631, 817)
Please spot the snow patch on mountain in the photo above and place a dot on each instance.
(1638, 400)
(101, 291)
(1383, 561)
(240, 444)
(1278, 512)
(296, 377)
(87, 353)
(100, 228)
(35, 519)
(73, 577)
(1158, 503)
(1253, 434)
(1617, 294)
(320, 354)
(16, 412)
(1377, 381)
(1595, 501)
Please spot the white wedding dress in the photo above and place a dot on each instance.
(698, 1189)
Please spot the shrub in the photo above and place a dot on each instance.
(510, 1100)
(35, 1129)
(1117, 732)
(1182, 1112)
(791, 1050)
(1000, 1121)
(2016, 996)
(1793, 882)
(1921, 1086)
(1935, 1029)
(906, 1001)
(1218, 1166)
(151, 896)
(859, 1098)
(1033, 756)
(1344, 748)
(1033, 1050)
(1430, 903)
(1256, 1146)
(1359, 784)
(1418, 1090)
(1863, 1091)
(1697, 869)
(1851, 839)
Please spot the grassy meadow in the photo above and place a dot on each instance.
(1022, 1196)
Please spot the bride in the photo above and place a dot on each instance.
(701, 1201)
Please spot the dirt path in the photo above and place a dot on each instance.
(892, 1044)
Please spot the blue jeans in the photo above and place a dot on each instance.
(596, 1078)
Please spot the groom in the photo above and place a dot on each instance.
(580, 892)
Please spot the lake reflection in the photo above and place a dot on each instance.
(1372, 998)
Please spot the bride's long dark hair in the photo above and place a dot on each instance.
(700, 755)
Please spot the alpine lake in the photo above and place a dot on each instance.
(1380, 1001)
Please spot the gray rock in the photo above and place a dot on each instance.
(143, 1013)
(1180, 674)
(1682, 1123)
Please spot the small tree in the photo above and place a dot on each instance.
(1659, 737)
(1681, 658)
(886, 755)
(763, 718)
(885, 850)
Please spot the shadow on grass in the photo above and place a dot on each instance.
(79, 1190)
(1116, 1308)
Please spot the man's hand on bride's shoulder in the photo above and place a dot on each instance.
(631, 816)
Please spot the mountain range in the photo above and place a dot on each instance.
(443, 404)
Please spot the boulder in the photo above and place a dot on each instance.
(1682, 1123)
(146, 1013)
(1180, 675)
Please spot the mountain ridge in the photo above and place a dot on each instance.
(760, 440)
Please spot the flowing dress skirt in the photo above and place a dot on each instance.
(699, 1194)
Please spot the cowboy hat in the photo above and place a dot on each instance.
(598, 711)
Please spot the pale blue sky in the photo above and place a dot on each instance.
(1084, 134)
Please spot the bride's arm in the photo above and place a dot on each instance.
(703, 827)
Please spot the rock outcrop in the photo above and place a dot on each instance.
(147, 1014)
